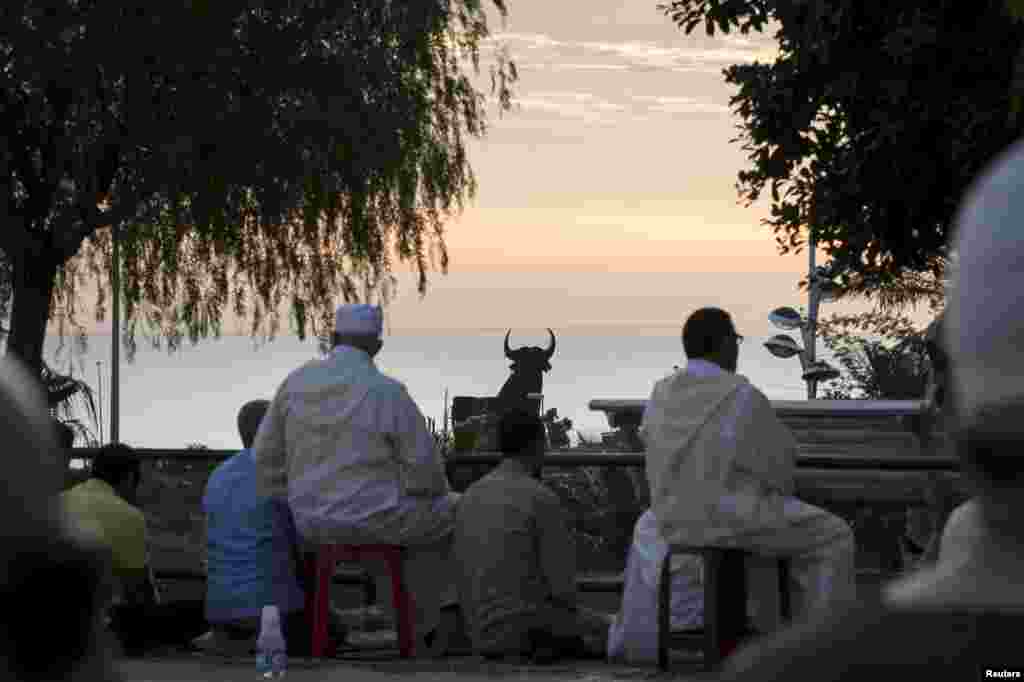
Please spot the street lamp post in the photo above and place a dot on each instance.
(819, 289)
(810, 332)
(115, 364)
(99, 383)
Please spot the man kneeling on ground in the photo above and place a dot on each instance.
(252, 554)
(103, 509)
(517, 559)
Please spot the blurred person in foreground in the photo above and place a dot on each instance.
(104, 507)
(517, 559)
(54, 583)
(252, 554)
(960, 618)
(721, 469)
(351, 452)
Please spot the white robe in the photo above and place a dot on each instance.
(721, 470)
(351, 452)
(719, 461)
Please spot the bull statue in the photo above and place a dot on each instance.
(528, 366)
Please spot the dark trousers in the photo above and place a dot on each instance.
(141, 627)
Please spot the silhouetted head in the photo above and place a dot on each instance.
(359, 326)
(985, 317)
(249, 418)
(117, 464)
(709, 334)
(521, 437)
(532, 357)
(41, 567)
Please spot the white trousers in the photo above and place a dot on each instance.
(821, 550)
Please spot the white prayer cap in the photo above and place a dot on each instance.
(359, 319)
(985, 317)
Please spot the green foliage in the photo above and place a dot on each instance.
(889, 363)
(586, 499)
(260, 152)
(872, 122)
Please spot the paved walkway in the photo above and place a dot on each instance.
(186, 668)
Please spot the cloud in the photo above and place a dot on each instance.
(578, 100)
(596, 110)
(537, 51)
(568, 66)
(680, 105)
(584, 106)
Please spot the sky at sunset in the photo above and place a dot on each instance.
(606, 197)
(606, 210)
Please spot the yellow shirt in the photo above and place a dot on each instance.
(95, 509)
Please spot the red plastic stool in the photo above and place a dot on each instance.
(327, 557)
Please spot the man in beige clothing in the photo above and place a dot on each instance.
(517, 559)
(351, 452)
(720, 466)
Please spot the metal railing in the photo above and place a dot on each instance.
(798, 408)
(562, 458)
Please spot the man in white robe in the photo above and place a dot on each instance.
(721, 471)
(960, 617)
(351, 452)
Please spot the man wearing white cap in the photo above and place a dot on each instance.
(350, 450)
(961, 618)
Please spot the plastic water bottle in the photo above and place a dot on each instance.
(272, 656)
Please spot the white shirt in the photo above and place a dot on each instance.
(344, 442)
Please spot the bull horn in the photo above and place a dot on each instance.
(508, 351)
(551, 348)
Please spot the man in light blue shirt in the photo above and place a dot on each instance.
(251, 549)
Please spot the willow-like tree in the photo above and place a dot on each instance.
(871, 123)
(253, 154)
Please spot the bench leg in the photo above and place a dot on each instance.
(403, 610)
(324, 568)
(664, 604)
(728, 584)
(785, 602)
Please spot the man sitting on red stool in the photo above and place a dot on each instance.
(351, 452)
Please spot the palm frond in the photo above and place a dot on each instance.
(64, 394)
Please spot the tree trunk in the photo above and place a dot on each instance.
(35, 272)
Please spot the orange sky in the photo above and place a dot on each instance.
(615, 166)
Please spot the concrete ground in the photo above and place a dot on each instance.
(185, 668)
